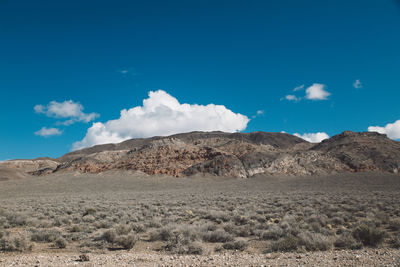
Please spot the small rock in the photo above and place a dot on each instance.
(84, 257)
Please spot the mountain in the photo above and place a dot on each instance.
(239, 155)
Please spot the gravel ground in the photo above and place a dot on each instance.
(365, 257)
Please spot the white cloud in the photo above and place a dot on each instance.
(298, 88)
(292, 98)
(162, 114)
(392, 130)
(357, 84)
(131, 71)
(46, 132)
(67, 109)
(313, 137)
(317, 91)
(258, 113)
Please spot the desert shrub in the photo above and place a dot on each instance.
(62, 221)
(315, 241)
(46, 236)
(126, 241)
(240, 220)
(321, 219)
(44, 224)
(288, 243)
(337, 220)
(75, 236)
(217, 236)
(163, 234)
(195, 248)
(395, 242)
(17, 219)
(274, 232)
(103, 224)
(315, 227)
(217, 216)
(138, 228)
(212, 227)
(181, 241)
(89, 211)
(369, 235)
(235, 245)
(60, 243)
(307, 240)
(9, 243)
(382, 216)
(394, 224)
(76, 228)
(123, 229)
(242, 231)
(347, 241)
(88, 219)
(154, 224)
(109, 236)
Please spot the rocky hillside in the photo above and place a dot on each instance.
(229, 154)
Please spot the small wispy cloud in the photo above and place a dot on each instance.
(357, 84)
(47, 132)
(291, 98)
(69, 109)
(128, 71)
(258, 113)
(298, 88)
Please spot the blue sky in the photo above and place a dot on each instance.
(246, 55)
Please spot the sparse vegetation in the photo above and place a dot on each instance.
(369, 235)
(196, 216)
(60, 243)
(11, 242)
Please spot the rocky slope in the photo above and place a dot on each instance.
(224, 154)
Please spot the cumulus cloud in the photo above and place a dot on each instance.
(63, 110)
(317, 91)
(392, 130)
(161, 114)
(46, 132)
(357, 84)
(313, 137)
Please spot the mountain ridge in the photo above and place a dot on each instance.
(239, 155)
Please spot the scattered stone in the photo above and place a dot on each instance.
(84, 257)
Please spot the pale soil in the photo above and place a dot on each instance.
(365, 257)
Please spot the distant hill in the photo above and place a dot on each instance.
(228, 154)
